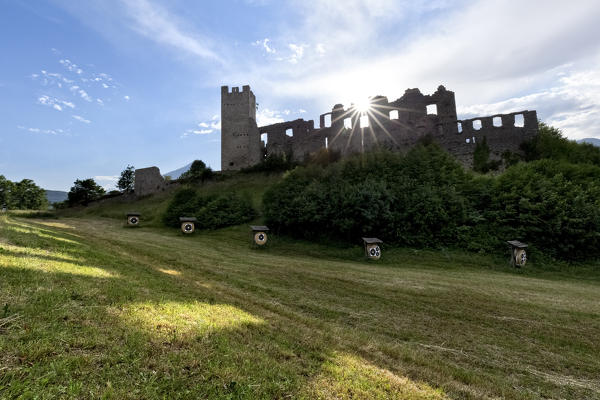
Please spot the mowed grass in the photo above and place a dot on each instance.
(92, 309)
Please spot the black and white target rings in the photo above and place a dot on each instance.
(259, 234)
(372, 249)
(188, 224)
(133, 219)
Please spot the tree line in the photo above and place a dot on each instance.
(23, 195)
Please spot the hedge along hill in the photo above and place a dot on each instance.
(212, 211)
(426, 199)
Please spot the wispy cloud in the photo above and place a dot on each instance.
(127, 98)
(81, 119)
(157, 24)
(40, 130)
(55, 103)
(265, 45)
(204, 128)
(71, 66)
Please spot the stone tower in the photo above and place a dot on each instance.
(240, 140)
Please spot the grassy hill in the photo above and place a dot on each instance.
(92, 308)
(152, 207)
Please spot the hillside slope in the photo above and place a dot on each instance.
(95, 309)
(152, 207)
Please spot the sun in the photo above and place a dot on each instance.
(363, 105)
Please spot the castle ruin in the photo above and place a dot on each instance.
(396, 125)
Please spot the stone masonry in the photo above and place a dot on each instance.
(396, 125)
(148, 181)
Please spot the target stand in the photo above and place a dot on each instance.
(133, 219)
(518, 255)
(259, 234)
(372, 248)
(188, 224)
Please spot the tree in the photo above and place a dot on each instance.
(127, 179)
(198, 172)
(85, 191)
(26, 195)
(5, 191)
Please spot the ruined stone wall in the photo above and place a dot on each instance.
(148, 181)
(398, 125)
(240, 141)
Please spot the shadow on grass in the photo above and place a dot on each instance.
(209, 317)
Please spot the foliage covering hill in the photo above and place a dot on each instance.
(153, 208)
(424, 198)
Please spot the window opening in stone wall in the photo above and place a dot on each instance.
(519, 121)
(326, 143)
(459, 126)
(264, 137)
(497, 121)
(432, 109)
(468, 140)
(394, 114)
(364, 121)
(348, 123)
(289, 132)
(477, 124)
(328, 121)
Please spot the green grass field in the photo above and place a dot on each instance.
(92, 309)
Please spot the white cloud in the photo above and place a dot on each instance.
(155, 23)
(55, 103)
(127, 98)
(466, 47)
(81, 119)
(71, 66)
(203, 125)
(44, 131)
(573, 105)
(320, 49)
(265, 45)
(297, 52)
(100, 101)
(84, 95)
(266, 116)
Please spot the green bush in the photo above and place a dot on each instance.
(426, 199)
(551, 144)
(408, 199)
(211, 211)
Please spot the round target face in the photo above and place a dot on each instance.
(133, 220)
(260, 238)
(374, 252)
(521, 257)
(187, 227)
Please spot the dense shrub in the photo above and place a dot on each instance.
(211, 211)
(426, 199)
(410, 199)
(553, 204)
(551, 144)
(273, 163)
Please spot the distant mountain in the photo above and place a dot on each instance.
(55, 196)
(594, 141)
(177, 173)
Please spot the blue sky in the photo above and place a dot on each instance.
(87, 88)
